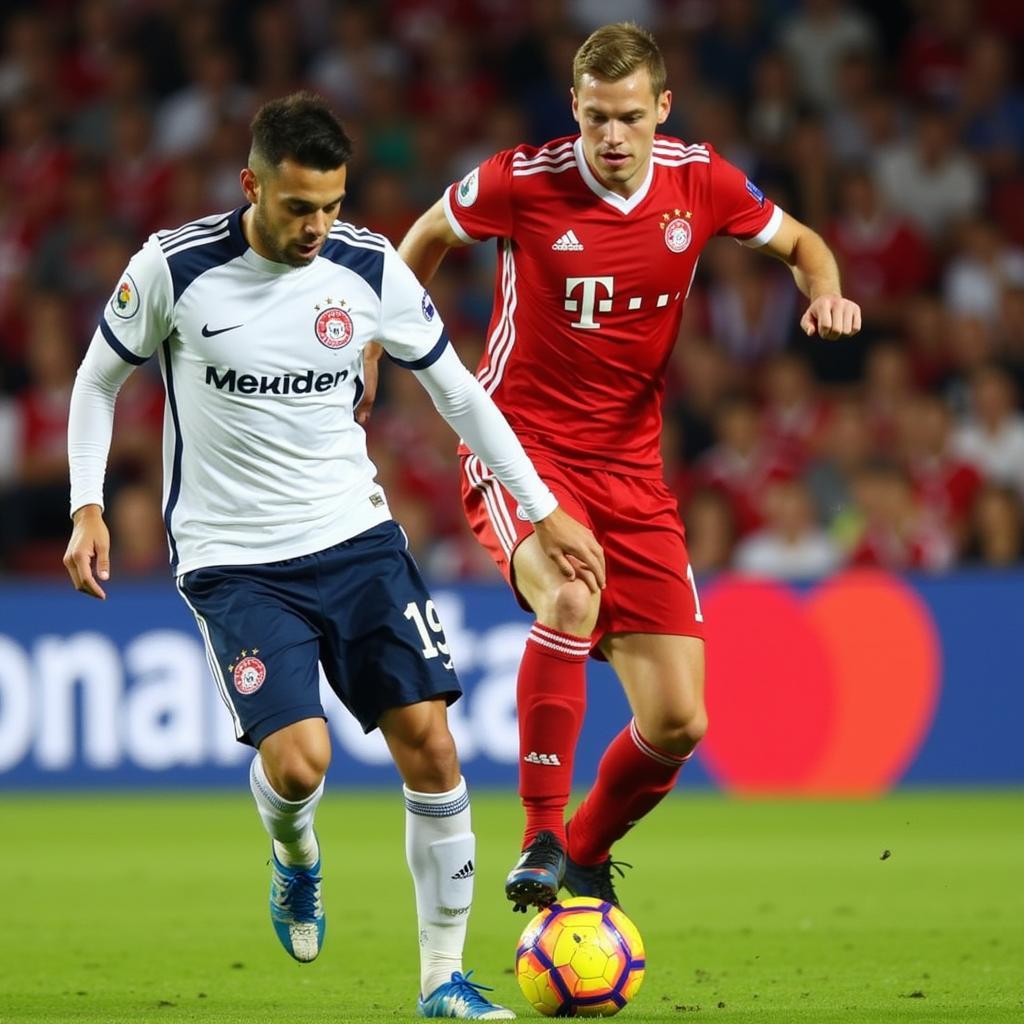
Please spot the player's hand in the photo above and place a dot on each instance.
(88, 555)
(573, 548)
(831, 317)
(371, 359)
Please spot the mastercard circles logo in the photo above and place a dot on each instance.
(827, 693)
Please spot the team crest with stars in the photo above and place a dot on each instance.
(678, 233)
(248, 672)
(333, 325)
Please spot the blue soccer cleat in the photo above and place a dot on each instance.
(537, 876)
(463, 999)
(296, 909)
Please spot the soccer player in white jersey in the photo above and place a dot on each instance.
(280, 539)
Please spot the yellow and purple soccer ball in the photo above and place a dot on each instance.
(580, 958)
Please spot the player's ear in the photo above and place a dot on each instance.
(250, 184)
(575, 105)
(664, 106)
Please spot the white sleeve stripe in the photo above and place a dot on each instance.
(193, 243)
(767, 233)
(453, 222)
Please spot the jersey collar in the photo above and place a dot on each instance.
(621, 203)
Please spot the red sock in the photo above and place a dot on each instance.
(551, 695)
(632, 779)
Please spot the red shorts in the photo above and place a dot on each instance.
(636, 520)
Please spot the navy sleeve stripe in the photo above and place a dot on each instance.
(125, 354)
(424, 361)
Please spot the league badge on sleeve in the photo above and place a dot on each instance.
(755, 192)
(467, 189)
(428, 307)
(333, 325)
(124, 303)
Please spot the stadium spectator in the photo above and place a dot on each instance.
(747, 306)
(946, 484)
(990, 106)
(997, 528)
(846, 448)
(934, 53)
(982, 266)
(731, 47)
(883, 257)
(187, 119)
(929, 178)
(741, 462)
(888, 386)
(790, 544)
(992, 436)
(897, 532)
(793, 412)
(816, 37)
(357, 54)
(710, 530)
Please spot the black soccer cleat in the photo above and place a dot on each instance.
(537, 876)
(594, 879)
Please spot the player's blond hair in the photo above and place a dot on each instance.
(616, 51)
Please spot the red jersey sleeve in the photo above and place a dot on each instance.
(480, 205)
(740, 208)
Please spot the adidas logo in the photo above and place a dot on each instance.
(568, 243)
(550, 759)
(466, 871)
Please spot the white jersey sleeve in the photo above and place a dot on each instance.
(91, 420)
(134, 322)
(411, 331)
(138, 316)
(461, 399)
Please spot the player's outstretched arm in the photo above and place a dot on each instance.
(427, 242)
(87, 558)
(814, 268)
(460, 398)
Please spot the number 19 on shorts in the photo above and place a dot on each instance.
(429, 627)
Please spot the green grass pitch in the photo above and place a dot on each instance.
(152, 908)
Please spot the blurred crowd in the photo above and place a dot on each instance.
(895, 129)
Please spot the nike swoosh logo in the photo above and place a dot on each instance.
(207, 333)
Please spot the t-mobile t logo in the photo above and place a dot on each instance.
(585, 305)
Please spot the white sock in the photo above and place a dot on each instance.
(440, 848)
(288, 822)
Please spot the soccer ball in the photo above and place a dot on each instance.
(580, 958)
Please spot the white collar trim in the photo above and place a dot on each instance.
(621, 203)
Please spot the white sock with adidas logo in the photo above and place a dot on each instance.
(441, 850)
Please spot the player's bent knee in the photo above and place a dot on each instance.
(571, 608)
(679, 733)
(296, 773)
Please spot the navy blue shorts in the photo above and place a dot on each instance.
(360, 609)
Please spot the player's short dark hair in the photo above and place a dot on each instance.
(616, 51)
(299, 127)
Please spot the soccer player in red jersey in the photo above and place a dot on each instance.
(598, 240)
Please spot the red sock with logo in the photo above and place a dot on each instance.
(632, 779)
(551, 694)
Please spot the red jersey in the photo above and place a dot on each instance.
(590, 288)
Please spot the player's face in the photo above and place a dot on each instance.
(617, 123)
(293, 208)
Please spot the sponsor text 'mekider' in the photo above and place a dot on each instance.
(303, 383)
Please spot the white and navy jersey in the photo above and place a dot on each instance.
(263, 459)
